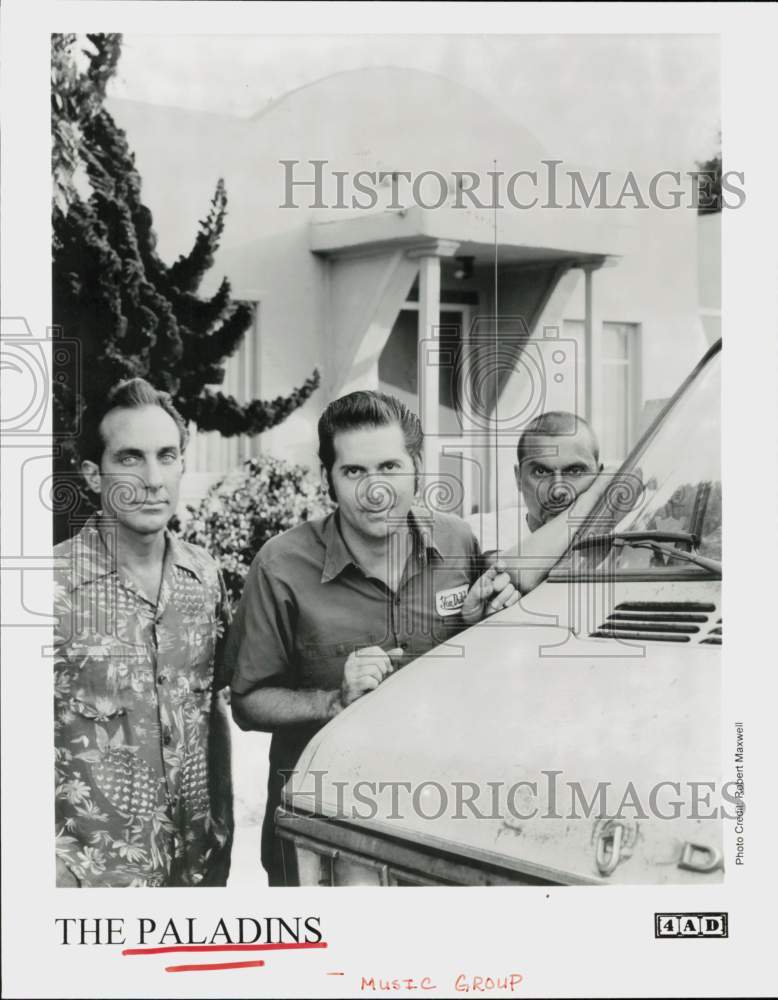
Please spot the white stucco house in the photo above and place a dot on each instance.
(598, 310)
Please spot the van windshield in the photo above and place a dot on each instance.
(662, 513)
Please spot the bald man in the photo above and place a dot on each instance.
(557, 470)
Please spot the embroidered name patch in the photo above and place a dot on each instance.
(449, 602)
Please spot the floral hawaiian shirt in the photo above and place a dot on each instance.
(143, 796)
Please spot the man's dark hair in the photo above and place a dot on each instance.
(554, 423)
(367, 408)
(133, 394)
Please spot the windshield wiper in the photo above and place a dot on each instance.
(656, 540)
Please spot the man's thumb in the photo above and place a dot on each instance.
(395, 655)
(479, 592)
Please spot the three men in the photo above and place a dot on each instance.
(331, 607)
(143, 794)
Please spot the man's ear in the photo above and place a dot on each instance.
(517, 474)
(91, 473)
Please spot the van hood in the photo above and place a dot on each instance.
(600, 726)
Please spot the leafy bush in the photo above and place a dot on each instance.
(241, 512)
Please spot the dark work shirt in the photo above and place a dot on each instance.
(307, 606)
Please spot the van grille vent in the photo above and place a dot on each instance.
(713, 638)
(666, 621)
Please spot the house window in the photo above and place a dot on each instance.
(212, 454)
(620, 389)
(398, 375)
(575, 330)
(241, 380)
(615, 383)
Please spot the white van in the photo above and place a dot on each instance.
(571, 739)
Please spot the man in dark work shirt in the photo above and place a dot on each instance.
(334, 605)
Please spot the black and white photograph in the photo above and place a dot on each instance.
(364, 508)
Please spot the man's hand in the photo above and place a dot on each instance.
(491, 592)
(364, 671)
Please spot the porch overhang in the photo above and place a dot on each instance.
(375, 258)
(547, 237)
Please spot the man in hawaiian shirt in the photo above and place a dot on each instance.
(143, 792)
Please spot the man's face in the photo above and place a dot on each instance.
(555, 473)
(373, 478)
(140, 471)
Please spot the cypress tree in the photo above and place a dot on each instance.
(131, 313)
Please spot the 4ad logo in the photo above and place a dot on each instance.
(691, 925)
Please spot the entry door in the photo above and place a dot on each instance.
(398, 374)
(455, 470)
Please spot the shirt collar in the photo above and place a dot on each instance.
(92, 557)
(421, 522)
(336, 554)
(180, 555)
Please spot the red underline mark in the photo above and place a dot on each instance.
(214, 966)
(336, 973)
(169, 949)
